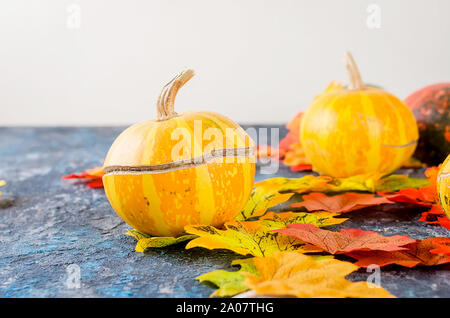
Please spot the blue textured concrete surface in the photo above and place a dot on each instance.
(47, 224)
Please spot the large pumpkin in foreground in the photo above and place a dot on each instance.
(443, 185)
(431, 107)
(357, 130)
(188, 168)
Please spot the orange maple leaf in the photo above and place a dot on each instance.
(92, 178)
(347, 240)
(296, 275)
(417, 254)
(436, 215)
(444, 245)
(432, 216)
(290, 148)
(423, 196)
(432, 173)
(340, 203)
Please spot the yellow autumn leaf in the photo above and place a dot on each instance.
(229, 283)
(374, 182)
(145, 241)
(298, 275)
(256, 237)
(232, 283)
(274, 221)
(2, 183)
(271, 192)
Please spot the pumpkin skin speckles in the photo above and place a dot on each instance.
(443, 186)
(357, 130)
(158, 194)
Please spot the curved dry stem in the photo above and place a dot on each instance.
(353, 72)
(166, 100)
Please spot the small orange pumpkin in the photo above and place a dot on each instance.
(443, 185)
(161, 174)
(357, 130)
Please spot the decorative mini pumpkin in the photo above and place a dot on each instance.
(431, 107)
(357, 130)
(188, 168)
(443, 185)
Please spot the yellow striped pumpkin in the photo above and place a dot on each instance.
(357, 130)
(443, 185)
(188, 168)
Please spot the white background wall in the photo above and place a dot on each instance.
(256, 61)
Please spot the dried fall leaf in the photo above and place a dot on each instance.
(241, 238)
(271, 192)
(260, 201)
(255, 237)
(294, 274)
(229, 283)
(272, 220)
(433, 215)
(375, 182)
(347, 240)
(444, 221)
(444, 245)
(145, 241)
(397, 182)
(432, 173)
(301, 167)
(292, 139)
(295, 156)
(340, 203)
(436, 215)
(417, 254)
(422, 196)
(92, 178)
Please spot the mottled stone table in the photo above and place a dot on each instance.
(47, 224)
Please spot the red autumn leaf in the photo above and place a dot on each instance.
(290, 148)
(444, 245)
(417, 254)
(301, 167)
(286, 143)
(432, 174)
(347, 240)
(436, 215)
(423, 196)
(432, 216)
(92, 178)
(341, 203)
(444, 222)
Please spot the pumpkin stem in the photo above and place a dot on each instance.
(166, 100)
(355, 77)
